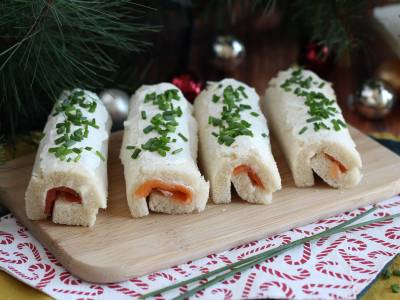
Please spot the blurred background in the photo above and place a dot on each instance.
(47, 46)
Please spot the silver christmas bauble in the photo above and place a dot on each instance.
(375, 99)
(228, 51)
(117, 104)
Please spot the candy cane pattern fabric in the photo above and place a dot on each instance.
(335, 267)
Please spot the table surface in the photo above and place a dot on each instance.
(266, 54)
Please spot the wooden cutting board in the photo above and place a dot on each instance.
(119, 247)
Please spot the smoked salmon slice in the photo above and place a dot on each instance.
(177, 191)
(336, 167)
(255, 179)
(53, 194)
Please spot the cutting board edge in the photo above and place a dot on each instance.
(112, 274)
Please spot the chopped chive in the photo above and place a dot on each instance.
(253, 113)
(336, 125)
(264, 135)
(136, 153)
(310, 120)
(395, 288)
(244, 106)
(130, 147)
(148, 129)
(98, 153)
(183, 137)
(215, 98)
(303, 130)
(386, 274)
(320, 107)
(144, 116)
(177, 151)
(341, 123)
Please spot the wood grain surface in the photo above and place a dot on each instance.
(119, 247)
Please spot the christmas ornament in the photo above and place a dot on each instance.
(375, 99)
(316, 57)
(228, 51)
(390, 72)
(189, 84)
(117, 104)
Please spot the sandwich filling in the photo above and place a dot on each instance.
(55, 193)
(336, 168)
(177, 192)
(254, 178)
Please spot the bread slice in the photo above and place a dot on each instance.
(252, 154)
(330, 153)
(86, 177)
(166, 177)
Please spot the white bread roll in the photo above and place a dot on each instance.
(246, 159)
(69, 177)
(307, 121)
(167, 175)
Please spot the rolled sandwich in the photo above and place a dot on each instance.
(234, 143)
(309, 125)
(159, 153)
(69, 177)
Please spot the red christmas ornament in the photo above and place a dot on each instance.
(316, 54)
(317, 58)
(188, 84)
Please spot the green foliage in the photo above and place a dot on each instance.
(337, 24)
(50, 45)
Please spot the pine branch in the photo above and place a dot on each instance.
(50, 45)
(337, 24)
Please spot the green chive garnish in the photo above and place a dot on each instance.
(215, 98)
(135, 153)
(98, 153)
(303, 130)
(320, 107)
(386, 274)
(74, 120)
(230, 123)
(177, 151)
(148, 129)
(395, 288)
(264, 135)
(183, 137)
(144, 116)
